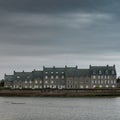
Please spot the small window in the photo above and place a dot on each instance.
(106, 72)
(56, 72)
(36, 81)
(62, 72)
(18, 76)
(100, 72)
(40, 81)
(113, 72)
(94, 72)
(46, 72)
(57, 77)
(25, 81)
(52, 77)
(51, 72)
(62, 77)
(30, 81)
(94, 77)
(46, 77)
(52, 82)
(46, 81)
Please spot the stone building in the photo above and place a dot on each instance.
(63, 78)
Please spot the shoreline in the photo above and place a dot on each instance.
(60, 93)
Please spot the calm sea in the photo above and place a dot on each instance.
(46, 108)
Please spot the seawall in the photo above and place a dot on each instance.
(62, 93)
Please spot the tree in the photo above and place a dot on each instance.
(2, 83)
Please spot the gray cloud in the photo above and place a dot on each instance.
(34, 33)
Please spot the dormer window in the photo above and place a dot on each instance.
(62, 72)
(18, 76)
(106, 72)
(113, 72)
(52, 77)
(94, 72)
(100, 72)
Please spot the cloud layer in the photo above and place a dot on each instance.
(34, 33)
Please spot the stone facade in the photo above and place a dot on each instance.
(64, 78)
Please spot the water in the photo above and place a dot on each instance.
(46, 108)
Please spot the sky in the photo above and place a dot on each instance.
(37, 33)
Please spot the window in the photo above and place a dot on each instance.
(30, 86)
(52, 82)
(46, 77)
(62, 72)
(100, 86)
(81, 86)
(35, 86)
(108, 77)
(101, 76)
(25, 81)
(94, 86)
(36, 81)
(106, 86)
(46, 81)
(111, 81)
(52, 77)
(62, 77)
(94, 77)
(100, 72)
(94, 72)
(40, 81)
(18, 76)
(56, 72)
(101, 81)
(113, 86)
(114, 82)
(86, 86)
(46, 72)
(98, 81)
(57, 77)
(113, 72)
(51, 72)
(30, 81)
(106, 72)
(98, 77)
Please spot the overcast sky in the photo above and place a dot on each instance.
(37, 33)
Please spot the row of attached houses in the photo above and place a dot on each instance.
(63, 78)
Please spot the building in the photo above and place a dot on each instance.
(63, 78)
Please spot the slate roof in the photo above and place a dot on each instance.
(9, 77)
(105, 70)
(37, 74)
(23, 75)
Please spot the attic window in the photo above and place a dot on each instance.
(100, 72)
(94, 72)
(106, 72)
(18, 76)
(113, 72)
